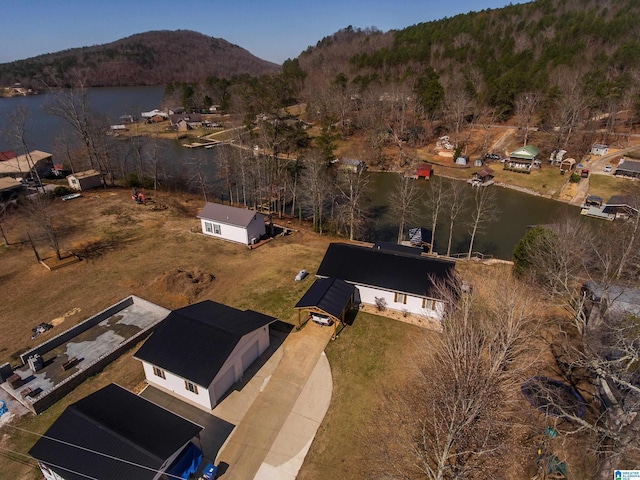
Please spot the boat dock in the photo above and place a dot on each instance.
(209, 144)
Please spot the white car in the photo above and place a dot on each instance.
(607, 169)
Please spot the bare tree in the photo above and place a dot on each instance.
(526, 106)
(435, 201)
(454, 418)
(16, 135)
(404, 202)
(483, 211)
(457, 193)
(41, 210)
(457, 105)
(316, 187)
(352, 186)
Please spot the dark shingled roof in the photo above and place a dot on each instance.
(394, 247)
(386, 270)
(194, 342)
(114, 422)
(240, 217)
(331, 295)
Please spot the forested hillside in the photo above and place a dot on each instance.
(152, 58)
(546, 47)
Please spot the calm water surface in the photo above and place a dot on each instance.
(517, 210)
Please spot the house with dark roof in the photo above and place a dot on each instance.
(114, 433)
(327, 301)
(628, 168)
(406, 283)
(621, 206)
(198, 352)
(239, 225)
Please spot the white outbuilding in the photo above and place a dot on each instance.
(239, 225)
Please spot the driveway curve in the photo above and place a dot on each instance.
(275, 434)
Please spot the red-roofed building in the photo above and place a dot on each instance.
(8, 155)
(424, 170)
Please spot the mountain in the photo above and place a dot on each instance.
(495, 55)
(151, 58)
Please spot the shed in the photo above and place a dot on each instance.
(23, 165)
(599, 149)
(424, 170)
(86, 180)
(327, 301)
(567, 164)
(239, 225)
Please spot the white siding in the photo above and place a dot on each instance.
(413, 303)
(252, 343)
(175, 384)
(233, 233)
(227, 232)
(246, 344)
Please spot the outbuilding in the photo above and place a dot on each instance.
(239, 225)
(86, 180)
(327, 302)
(198, 352)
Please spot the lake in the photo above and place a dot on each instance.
(517, 210)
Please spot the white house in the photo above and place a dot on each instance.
(198, 352)
(85, 180)
(404, 282)
(121, 436)
(239, 225)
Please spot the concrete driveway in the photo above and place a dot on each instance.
(273, 437)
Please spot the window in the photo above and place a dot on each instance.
(191, 387)
(216, 229)
(208, 227)
(158, 372)
(401, 298)
(426, 301)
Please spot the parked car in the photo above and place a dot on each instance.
(584, 173)
(580, 166)
(492, 156)
(608, 168)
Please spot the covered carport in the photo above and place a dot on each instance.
(326, 302)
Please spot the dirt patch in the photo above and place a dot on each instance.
(57, 321)
(187, 283)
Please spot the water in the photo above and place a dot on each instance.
(517, 210)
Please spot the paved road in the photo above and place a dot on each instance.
(251, 441)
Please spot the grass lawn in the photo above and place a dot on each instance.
(132, 249)
(607, 185)
(368, 356)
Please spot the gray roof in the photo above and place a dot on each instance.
(240, 217)
(627, 165)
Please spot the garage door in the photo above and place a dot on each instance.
(249, 356)
(224, 383)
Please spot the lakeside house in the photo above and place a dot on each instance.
(628, 168)
(20, 166)
(482, 178)
(523, 159)
(400, 282)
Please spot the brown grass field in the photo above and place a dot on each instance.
(150, 251)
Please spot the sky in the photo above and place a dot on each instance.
(273, 30)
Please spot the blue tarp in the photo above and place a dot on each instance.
(187, 463)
